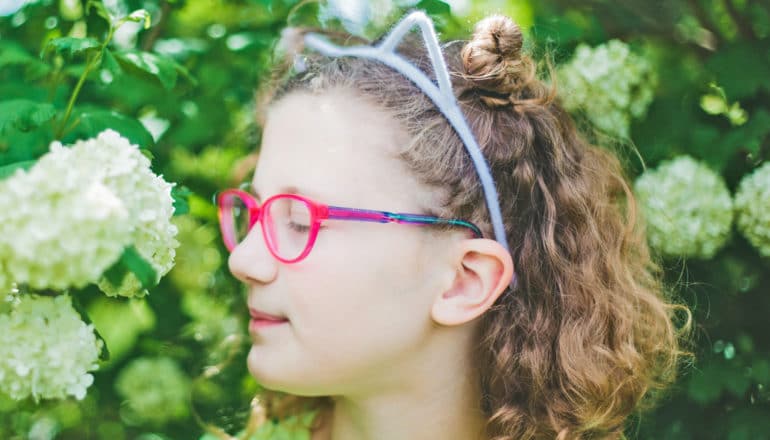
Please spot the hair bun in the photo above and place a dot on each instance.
(492, 58)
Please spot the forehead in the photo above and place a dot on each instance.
(336, 147)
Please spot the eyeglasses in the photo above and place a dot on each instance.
(290, 222)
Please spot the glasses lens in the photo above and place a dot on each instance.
(233, 219)
(288, 222)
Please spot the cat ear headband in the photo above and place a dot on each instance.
(441, 95)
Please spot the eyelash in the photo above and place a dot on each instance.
(298, 227)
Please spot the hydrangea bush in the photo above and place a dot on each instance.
(610, 84)
(687, 206)
(64, 223)
(752, 206)
(46, 350)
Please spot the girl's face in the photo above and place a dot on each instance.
(358, 306)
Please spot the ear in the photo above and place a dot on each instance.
(483, 269)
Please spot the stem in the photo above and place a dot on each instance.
(90, 65)
(74, 96)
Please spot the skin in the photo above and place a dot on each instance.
(381, 316)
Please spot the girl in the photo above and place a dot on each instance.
(450, 321)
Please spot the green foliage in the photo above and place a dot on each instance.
(132, 261)
(24, 115)
(71, 69)
(148, 64)
(71, 46)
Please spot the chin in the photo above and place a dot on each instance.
(293, 381)
(271, 374)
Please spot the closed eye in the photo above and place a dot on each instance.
(298, 227)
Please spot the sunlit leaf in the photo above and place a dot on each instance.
(71, 46)
(91, 122)
(24, 114)
(163, 69)
(181, 197)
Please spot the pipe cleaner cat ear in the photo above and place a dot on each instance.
(439, 92)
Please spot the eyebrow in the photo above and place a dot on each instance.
(289, 189)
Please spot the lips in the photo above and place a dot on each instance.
(262, 316)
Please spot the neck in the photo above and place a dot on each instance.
(394, 417)
(442, 401)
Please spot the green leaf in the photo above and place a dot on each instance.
(13, 54)
(163, 69)
(741, 69)
(110, 63)
(140, 16)
(104, 354)
(434, 7)
(181, 197)
(92, 122)
(99, 8)
(71, 46)
(751, 134)
(10, 169)
(24, 114)
(147, 153)
(132, 261)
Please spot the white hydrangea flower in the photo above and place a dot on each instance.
(147, 197)
(46, 350)
(156, 390)
(68, 219)
(60, 226)
(610, 84)
(752, 206)
(687, 207)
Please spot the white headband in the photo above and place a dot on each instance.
(442, 95)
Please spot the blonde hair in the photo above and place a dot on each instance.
(589, 335)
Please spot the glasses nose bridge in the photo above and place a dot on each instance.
(255, 215)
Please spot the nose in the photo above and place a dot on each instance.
(251, 261)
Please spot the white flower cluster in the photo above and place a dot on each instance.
(752, 206)
(46, 350)
(156, 390)
(59, 225)
(687, 207)
(610, 84)
(68, 219)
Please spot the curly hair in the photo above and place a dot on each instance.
(591, 333)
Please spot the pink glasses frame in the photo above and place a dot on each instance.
(320, 212)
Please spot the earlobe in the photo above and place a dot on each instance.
(482, 271)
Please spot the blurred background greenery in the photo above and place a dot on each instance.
(182, 86)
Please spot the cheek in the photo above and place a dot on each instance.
(357, 294)
(360, 309)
